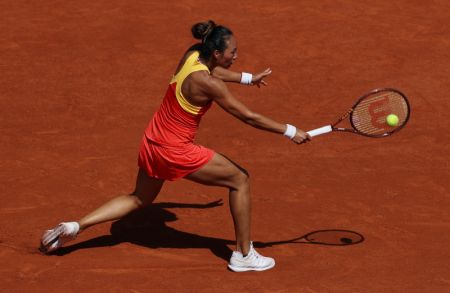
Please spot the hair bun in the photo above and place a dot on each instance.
(202, 29)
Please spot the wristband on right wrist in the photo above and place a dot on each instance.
(291, 131)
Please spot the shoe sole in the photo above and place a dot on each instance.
(240, 269)
(51, 238)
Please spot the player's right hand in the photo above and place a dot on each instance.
(301, 137)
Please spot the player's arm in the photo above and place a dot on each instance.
(228, 75)
(222, 96)
(232, 76)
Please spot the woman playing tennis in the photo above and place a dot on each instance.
(168, 151)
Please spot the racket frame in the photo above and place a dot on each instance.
(333, 127)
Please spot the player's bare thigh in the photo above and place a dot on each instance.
(220, 171)
(147, 188)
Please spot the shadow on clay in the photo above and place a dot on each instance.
(147, 227)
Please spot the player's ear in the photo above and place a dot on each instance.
(217, 54)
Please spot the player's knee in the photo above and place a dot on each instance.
(139, 201)
(245, 172)
(241, 179)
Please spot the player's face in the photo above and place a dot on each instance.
(229, 55)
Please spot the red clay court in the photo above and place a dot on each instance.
(80, 81)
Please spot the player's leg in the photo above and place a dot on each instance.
(145, 192)
(220, 171)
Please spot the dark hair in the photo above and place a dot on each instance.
(213, 37)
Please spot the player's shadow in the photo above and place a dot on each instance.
(147, 227)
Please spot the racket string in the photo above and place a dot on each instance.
(369, 115)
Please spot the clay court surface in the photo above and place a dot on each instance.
(81, 79)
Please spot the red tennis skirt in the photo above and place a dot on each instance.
(172, 162)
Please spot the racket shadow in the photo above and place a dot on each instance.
(331, 237)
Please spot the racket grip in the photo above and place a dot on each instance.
(319, 131)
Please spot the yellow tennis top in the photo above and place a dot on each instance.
(192, 64)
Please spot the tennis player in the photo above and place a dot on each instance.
(168, 151)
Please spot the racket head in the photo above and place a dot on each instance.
(368, 115)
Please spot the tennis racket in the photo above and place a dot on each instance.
(368, 115)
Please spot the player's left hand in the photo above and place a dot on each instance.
(258, 78)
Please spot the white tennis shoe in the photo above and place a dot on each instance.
(253, 261)
(56, 237)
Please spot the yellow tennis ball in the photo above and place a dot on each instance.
(392, 120)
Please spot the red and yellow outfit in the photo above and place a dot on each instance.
(168, 150)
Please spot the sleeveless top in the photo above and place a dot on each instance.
(176, 121)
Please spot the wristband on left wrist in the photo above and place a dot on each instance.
(246, 78)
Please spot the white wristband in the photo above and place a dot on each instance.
(291, 131)
(246, 78)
